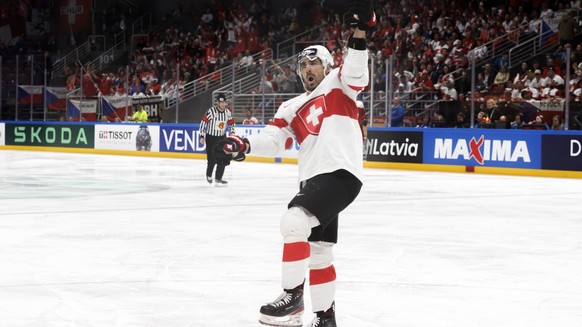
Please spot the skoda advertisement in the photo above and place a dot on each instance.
(79, 135)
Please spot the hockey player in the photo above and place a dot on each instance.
(324, 121)
(213, 127)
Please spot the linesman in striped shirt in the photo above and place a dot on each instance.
(215, 122)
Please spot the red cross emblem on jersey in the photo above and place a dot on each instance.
(309, 118)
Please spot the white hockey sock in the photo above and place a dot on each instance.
(322, 287)
(295, 264)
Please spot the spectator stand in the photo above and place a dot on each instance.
(190, 96)
(412, 35)
(498, 43)
(291, 46)
(260, 92)
(493, 36)
(23, 78)
(233, 35)
(109, 33)
(220, 32)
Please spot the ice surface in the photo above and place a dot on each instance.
(116, 241)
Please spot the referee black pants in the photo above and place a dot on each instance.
(210, 143)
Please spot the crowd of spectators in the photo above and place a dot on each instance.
(429, 41)
(201, 41)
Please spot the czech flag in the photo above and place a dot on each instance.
(87, 108)
(56, 97)
(115, 106)
(28, 93)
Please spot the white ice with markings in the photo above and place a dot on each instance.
(116, 241)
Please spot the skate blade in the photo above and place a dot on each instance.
(286, 321)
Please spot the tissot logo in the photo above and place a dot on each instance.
(114, 135)
(482, 150)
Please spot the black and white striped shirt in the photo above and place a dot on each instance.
(215, 122)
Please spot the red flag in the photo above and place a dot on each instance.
(73, 15)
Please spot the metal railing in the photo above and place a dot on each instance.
(83, 52)
(248, 83)
(107, 57)
(519, 38)
(142, 24)
(265, 105)
(242, 85)
(531, 47)
(222, 78)
(80, 53)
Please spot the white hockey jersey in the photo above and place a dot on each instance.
(324, 121)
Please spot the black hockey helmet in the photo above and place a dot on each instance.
(220, 97)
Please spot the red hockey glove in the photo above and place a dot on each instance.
(363, 14)
(235, 144)
(230, 148)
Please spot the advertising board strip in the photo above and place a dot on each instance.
(186, 139)
(394, 146)
(180, 138)
(2, 133)
(509, 152)
(562, 152)
(136, 137)
(51, 135)
(483, 148)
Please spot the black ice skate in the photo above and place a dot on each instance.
(286, 310)
(220, 183)
(325, 318)
(209, 179)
